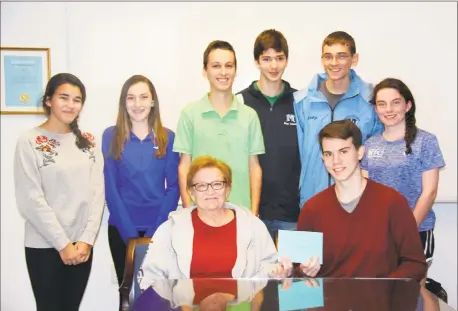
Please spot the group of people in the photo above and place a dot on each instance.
(339, 157)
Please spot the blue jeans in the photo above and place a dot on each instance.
(274, 225)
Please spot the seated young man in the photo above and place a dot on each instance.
(368, 228)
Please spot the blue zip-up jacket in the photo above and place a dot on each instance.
(313, 113)
(140, 189)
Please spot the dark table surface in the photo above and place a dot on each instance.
(288, 295)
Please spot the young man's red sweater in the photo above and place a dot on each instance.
(378, 239)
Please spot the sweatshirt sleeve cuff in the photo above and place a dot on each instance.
(88, 237)
(61, 243)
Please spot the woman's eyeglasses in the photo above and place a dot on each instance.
(216, 185)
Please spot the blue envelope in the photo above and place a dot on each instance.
(300, 245)
(299, 296)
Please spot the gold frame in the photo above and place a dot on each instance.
(48, 76)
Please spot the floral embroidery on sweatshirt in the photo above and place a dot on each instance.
(48, 148)
(91, 147)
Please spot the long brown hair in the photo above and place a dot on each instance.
(53, 84)
(124, 125)
(404, 91)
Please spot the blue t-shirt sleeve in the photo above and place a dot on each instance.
(363, 163)
(431, 154)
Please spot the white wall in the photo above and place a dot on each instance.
(165, 41)
(105, 43)
(444, 266)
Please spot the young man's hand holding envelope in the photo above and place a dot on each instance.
(302, 247)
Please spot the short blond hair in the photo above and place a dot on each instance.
(208, 162)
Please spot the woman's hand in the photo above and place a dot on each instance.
(69, 255)
(286, 284)
(84, 251)
(281, 269)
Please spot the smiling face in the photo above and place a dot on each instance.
(139, 102)
(391, 107)
(65, 104)
(220, 70)
(341, 158)
(337, 61)
(272, 65)
(209, 197)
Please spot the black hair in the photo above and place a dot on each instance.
(53, 84)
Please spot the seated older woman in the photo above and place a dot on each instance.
(213, 238)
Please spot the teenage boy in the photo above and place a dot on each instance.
(369, 229)
(337, 94)
(272, 99)
(220, 126)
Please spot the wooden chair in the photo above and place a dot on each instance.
(276, 239)
(136, 250)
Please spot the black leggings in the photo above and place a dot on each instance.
(56, 286)
(118, 251)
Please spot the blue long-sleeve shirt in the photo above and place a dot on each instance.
(140, 189)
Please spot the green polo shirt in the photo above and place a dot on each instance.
(232, 139)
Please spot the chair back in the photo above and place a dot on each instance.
(139, 255)
(136, 251)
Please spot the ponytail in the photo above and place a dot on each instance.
(411, 130)
(81, 141)
(404, 91)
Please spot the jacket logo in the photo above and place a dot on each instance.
(290, 119)
(353, 118)
(312, 118)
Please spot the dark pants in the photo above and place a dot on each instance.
(274, 225)
(56, 286)
(118, 252)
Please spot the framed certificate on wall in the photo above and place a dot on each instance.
(24, 75)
